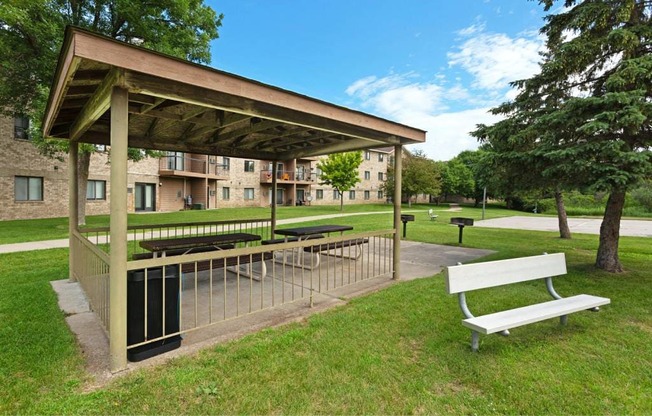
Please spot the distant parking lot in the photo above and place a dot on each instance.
(631, 228)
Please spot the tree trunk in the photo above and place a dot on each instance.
(607, 258)
(341, 201)
(83, 164)
(564, 230)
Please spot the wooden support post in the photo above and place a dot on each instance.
(398, 163)
(118, 233)
(274, 174)
(73, 205)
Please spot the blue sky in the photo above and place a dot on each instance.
(437, 65)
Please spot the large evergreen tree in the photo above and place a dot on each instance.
(588, 113)
(31, 32)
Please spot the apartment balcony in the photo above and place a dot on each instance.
(288, 177)
(186, 167)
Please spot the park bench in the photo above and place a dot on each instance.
(432, 215)
(464, 278)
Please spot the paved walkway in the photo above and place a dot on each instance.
(629, 228)
(63, 243)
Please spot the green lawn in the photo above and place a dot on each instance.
(56, 228)
(400, 350)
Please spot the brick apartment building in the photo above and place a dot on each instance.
(35, 186)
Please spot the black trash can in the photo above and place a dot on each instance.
(136, 311)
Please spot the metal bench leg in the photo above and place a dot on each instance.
(475, 341)
(563, 319)
(504, 333)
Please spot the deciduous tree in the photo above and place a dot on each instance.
(340, 170)
(31, 32)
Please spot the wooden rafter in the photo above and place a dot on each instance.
(97, 104)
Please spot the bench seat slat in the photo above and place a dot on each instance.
(499, 321)
(475, 276)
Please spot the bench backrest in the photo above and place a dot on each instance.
(466, 277)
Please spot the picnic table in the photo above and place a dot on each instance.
(188, 244)
(309, 233)
(303, 233)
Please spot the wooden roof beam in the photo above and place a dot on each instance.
(233, 136)
(97, 104)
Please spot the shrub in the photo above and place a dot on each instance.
(643, 195)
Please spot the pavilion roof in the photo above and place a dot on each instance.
(177, 105)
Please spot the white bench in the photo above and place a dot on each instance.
(468, 277)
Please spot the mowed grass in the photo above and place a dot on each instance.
(18, 231)
(400, 350)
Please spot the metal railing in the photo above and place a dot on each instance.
(224, 284)
(193, 165)
(90, 267)
(210, 287)
(136, 233)
(287, 176)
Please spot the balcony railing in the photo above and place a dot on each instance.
(287, 176)
(184, 164)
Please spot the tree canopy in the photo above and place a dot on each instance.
(340, 170)
(31, 33)
(588, 113)
(457, 179)
(419, 174)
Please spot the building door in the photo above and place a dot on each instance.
(301, 197)
(145, 195)
(279, 196)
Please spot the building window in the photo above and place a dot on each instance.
(367, 175)
(367, 155)
(96, 190)
(336, 194)
(320, 194)
(21, 128)
(28, 188)
(226, 164)
(226, 193)
(380, 195)
(175, 160)
(367, 195)
(248, 165)
(248, 194)
(381, 176)
(351, 194)
(381, 157)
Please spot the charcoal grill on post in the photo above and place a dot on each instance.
(461, 223)
(405, 218)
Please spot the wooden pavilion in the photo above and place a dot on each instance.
(112, 93)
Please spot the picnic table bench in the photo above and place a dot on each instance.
(309, 233)
(203, 244)
(464, 278)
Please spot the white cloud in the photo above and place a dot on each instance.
(495, 59)
(448, 133)
(447, 110)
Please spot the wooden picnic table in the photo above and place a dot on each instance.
(190, 243)
(312, 230)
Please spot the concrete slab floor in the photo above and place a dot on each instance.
(418, 260)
